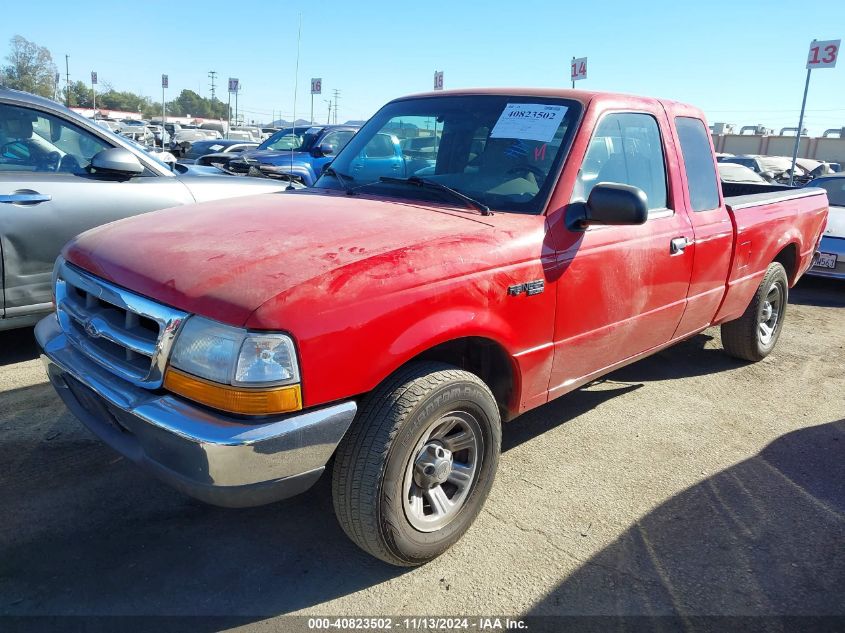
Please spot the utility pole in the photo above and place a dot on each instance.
(67, 80)
(213, 75)
(336, 97)
(329, 118)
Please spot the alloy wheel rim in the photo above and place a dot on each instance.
(442, 470)
(770, 314)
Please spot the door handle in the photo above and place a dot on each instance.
(677, 245)
(25, 198)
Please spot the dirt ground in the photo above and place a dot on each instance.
(686, 484)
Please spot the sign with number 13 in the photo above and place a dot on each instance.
(823, 54)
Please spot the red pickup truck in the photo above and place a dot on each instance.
(386, 322)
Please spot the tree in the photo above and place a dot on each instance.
(30, 68)
(81, 95)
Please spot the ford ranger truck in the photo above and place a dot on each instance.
(385, 323)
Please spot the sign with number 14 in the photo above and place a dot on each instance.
(823, 54)
(579, 68)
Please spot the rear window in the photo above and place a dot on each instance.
(698, 164)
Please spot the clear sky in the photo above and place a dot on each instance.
(742, 61)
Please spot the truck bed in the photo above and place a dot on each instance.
(744, 194)
(767, 220)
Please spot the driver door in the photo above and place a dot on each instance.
(47, 197)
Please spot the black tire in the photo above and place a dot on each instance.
(745, 337)
(382, 448)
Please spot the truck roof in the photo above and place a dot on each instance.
(584, 96)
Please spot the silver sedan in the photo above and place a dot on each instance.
(61, 174)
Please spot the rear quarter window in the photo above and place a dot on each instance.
(698, 163)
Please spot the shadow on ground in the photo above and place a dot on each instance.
(17, 346)
(764, 537)
(817, 291)
(85, 532)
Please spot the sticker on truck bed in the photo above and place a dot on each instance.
(529, 122)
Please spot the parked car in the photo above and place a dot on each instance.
(181, 141)
(111, 126)
(300, 153)
(160, 135)
(734, 172)
(61, 174)
(198, 149)
(830, 261)
(772, 168)
(385, 326)
(253, 132)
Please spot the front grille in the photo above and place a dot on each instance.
(128, 334)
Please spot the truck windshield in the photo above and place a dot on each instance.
(299, 139)
(503, 151)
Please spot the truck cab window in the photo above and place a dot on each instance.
(698, 163)
(626, 148)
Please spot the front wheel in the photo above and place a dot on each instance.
(753, 335)
(413, 472)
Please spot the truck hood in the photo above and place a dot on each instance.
(224, 259)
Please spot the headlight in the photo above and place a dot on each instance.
(235, 370)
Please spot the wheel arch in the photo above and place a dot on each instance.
(788, 257)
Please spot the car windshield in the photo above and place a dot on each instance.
(835, 188)
(502, 151)
(297, 139)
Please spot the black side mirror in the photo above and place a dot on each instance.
(326, 149)
(117, 160)
(612, 203)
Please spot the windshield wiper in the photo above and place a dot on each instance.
(416, 181)
(343, 179)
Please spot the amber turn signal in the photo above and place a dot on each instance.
(233, 399)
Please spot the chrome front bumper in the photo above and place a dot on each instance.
(214, 457)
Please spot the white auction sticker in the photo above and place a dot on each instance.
(215, 148)
(529, 122)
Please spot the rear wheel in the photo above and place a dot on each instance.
(753, 335)
(414, 470)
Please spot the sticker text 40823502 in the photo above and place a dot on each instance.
(529, 122)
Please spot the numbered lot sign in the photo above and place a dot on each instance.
(438, 80)
(93, 77)
(823, 54)
(316, 86)
(579, 69)
(164, 81)
(234, 84)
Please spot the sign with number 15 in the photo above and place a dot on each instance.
(823, 54)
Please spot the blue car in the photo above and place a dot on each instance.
(298, 152)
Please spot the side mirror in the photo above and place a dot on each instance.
(326, 149)
(117, 160)
(612, 203)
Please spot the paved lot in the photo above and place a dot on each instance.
(688, 483)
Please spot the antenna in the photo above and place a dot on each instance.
(295, 89)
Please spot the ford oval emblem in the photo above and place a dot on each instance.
(91, 329)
